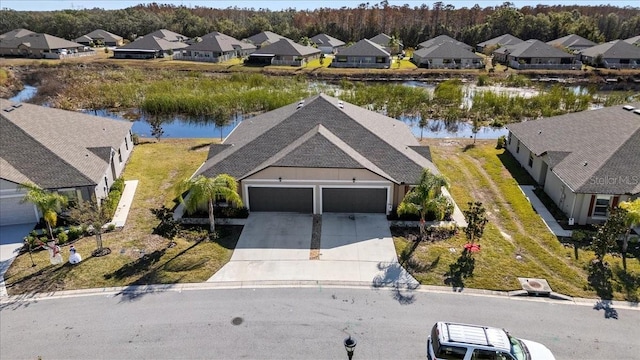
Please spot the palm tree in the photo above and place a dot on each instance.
(207, 190)
(632, 219)
(425, 197)
(48, 203)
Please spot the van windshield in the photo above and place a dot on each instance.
(518, 349)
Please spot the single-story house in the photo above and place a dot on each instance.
(215, 47)
(284, 52)
(534, 54)
(440, 39)
(385, 41)
(447, 55)
(635, 40)
(264, 38)
(16, 33)
(497, 42)
(363, 54)
(77, 155)
(327, 44)
(148, 47)
(320, 155)
(573, 42)
(100, 37)
(40, 46)
(169, 35)
(587, 162)
(617, 54)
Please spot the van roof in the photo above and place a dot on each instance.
(474, 334)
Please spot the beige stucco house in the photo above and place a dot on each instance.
(587, 162)
(77, 155)
(320, 155)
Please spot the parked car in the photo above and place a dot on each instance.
(470, 342)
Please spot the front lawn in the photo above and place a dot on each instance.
(516, 242)
(138, 255)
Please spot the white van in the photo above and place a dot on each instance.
(475, 342)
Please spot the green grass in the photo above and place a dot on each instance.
(157, 167)
(479, 174)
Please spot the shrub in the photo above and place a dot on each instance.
(483, 80)
(62, 238)
(135, 138)
(75, 232)
(111, 227)
(118, 185)
(502, 142)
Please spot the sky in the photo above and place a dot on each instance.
(50, 5)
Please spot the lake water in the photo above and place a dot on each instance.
(186, 127)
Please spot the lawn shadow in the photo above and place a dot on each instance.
(136, 292)
(460, 270)
(599, 279)
(521, 175)
(395, 277)
(630, 284)
(200, 146)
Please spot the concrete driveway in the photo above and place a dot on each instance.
(11, 240)
(276, 247)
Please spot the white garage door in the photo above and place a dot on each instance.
(12, 212)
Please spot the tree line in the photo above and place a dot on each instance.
(411, 25)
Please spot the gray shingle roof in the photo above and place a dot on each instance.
(572, 41)
(594, 151)
(446, 50)
(535, 48)
(617, 49)
(219, 42)
(16, 33)
(168, 35)
(152, 43)
(506, 39)
(265, 36)
(40, 42)
(326, 40)
(635, 40)
(101, 34)
(56, 148)
(287, 47)
(443, 39)
(383, 39)
(364, 47)
(322, 132)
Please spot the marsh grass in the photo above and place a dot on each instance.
(138, 256)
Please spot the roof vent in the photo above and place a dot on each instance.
(628, 107)
(9, 109)
(17, 105)
(636, 111)
(299, 106)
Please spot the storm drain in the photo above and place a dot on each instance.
(535, 287)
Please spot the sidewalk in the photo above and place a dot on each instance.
(546, 216)
(124, 205)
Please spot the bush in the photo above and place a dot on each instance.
(75, 232)
(62, 238)
(483, 80)
(502, 142)
(111, 227)
(135, 138)
(118, 185)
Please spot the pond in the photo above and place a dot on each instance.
(188, 127)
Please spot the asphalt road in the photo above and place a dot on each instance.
(295, 323)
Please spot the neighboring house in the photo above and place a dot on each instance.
(534, 54)
(573, 42)
(148, 47)
(169, 35)
(100, 37)
(320, 155)
(633, 40)
(216, 47)
(24, 43)
(77, 155)
(498, 42)
(384, 40)
(327, 44)
(284, 52)
(587, 162)
(264, 38)
(363, 54)
(443, 39)
(447, 55)
(616, 54)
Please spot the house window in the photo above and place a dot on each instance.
(71, 194)
(509, 138)
(106, 182)
(126, 142)
(530, 158)
(381, 60)
(341, 58)
(518, 147)
(601, 206)
(119, 155)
